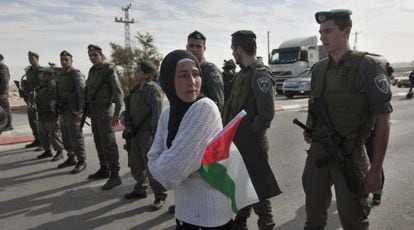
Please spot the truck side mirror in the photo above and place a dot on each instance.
(304, 56)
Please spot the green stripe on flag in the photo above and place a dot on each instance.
(216, 176)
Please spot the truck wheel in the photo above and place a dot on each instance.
(279, 91)
(289, 94)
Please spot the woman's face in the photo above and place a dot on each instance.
(187, 81)
(139, 75)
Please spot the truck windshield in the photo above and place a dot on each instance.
(284, 57)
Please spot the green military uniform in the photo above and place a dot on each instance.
(70, 93)
(4, 92)
(253, 91)
(354, 91)
(213, 86)
(104, 90)
(49, 130)
(33, 74)
(228, 77)
(143, 109)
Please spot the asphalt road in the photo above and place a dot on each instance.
(36, 195)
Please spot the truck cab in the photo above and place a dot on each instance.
(293, 57)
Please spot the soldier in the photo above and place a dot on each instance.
(4, 92)
(70, 95)
(213, 86)
(229, 72)
(102, 90)
(253, 91)
(33, 80)
(143, 108)
(48, 117)
(355, 89)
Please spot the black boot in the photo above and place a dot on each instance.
(35, 143)
(68, 162)
(57, 156)
(113, 181)
(45, 154)
(102, 173)
(80, 166)
(135, 195)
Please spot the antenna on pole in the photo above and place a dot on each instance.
(356, 40)
(126, 22)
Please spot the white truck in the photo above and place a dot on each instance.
(293, 56)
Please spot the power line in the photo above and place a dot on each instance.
(126, 21)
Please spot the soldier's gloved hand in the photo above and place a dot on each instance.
(307, 137)
(115, 120)
(78, 116)
(122, 120)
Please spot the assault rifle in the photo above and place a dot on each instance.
(22, 93)
(336, 152)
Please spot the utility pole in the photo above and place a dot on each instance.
(268, 48)
(126, 22)
(356, 40)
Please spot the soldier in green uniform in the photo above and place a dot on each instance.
(229, 73)
(4, 92)
(70, 95)
(103, 90)
(143, 108)
(213, 86)
(33, 80)
(253, 91)
(357, 94)
(49, 130)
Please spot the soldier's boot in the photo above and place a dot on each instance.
(158, 204)
(35, 143)
(240, 223)
(67, 163)
(113, 181)
(102, 173)
(45, 154)
(57, 156)
(80, 166)
(38, 149)
(171, 209)
(136, 195)
(8, 128)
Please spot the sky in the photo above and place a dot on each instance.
(50, 26)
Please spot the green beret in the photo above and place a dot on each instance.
(147, 66)
(92, 47)
(33, 54)
(243, 35)
(229, 64)
(196, 35)
(65, 53)
(323, 16)
(48, 71)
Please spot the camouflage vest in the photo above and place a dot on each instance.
(33, 78)
(348, 109)
(242, 95)
(44, 99)
(66, 89)
(138, 109)
(101, 90)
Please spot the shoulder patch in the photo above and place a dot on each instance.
(382, 84)
(264, 84)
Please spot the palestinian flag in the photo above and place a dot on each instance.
(223, 167)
